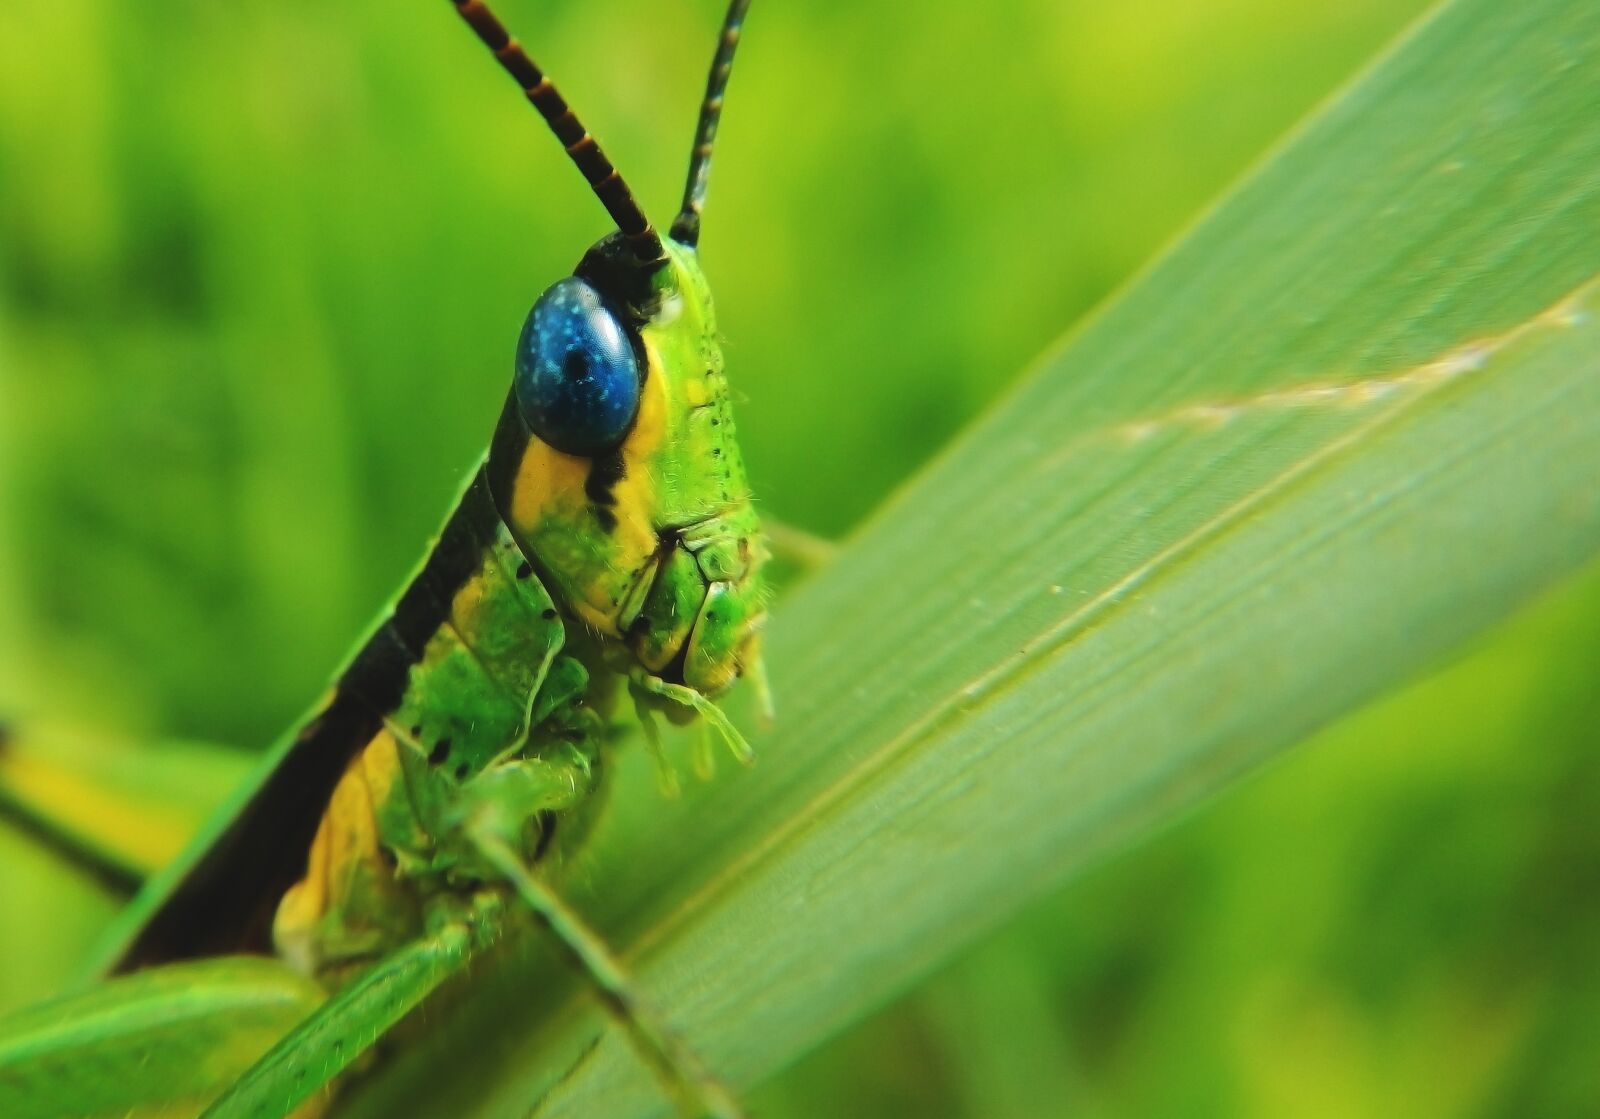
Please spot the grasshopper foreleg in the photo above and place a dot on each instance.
(498, 803)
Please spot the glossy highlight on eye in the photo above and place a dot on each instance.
(577, 379)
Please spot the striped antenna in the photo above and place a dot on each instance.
(597, 170)
(686, 226)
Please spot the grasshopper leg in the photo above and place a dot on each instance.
(699, 1095)
(346, 1026)
(494, 807)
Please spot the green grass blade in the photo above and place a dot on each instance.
(162, 1042)
(1350, 420)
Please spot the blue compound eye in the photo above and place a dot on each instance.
(577, 378)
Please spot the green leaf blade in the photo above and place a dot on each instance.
(1352, 419)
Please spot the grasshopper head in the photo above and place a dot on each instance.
(615, 462)
(617, 468)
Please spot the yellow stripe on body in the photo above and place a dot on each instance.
(350, 906)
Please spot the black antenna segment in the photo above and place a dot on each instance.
(603, 178)
(686, 226)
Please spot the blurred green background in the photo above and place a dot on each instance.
(261, 270)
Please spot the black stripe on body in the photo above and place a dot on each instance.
(599, 487)
(510, 443)
(378, 674)
(425, 604)
(225, 902)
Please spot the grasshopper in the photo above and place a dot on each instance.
(606, 544)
